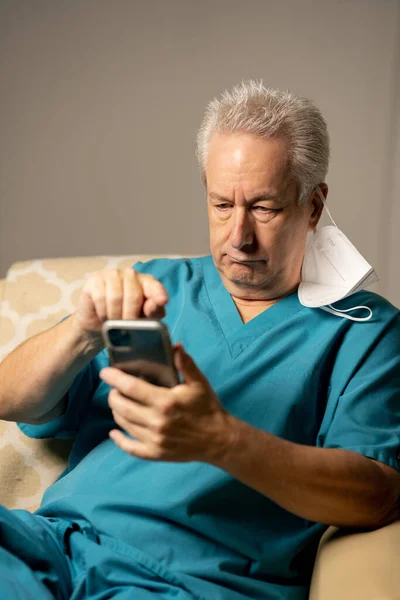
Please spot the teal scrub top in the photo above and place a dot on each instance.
(299, 373)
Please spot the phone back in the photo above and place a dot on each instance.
(142, 350)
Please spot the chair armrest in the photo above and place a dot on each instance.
(358, 566)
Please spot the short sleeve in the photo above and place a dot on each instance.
(366, 415)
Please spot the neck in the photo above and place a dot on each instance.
(249, 308)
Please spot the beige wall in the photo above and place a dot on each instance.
(391, 218)
(100, 102)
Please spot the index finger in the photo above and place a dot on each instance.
(153, 289)
(131, 387)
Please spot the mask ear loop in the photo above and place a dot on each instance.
(324, 202)
(341, 312)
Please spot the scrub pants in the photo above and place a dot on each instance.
(47, 558)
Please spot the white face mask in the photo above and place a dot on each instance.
(332, 270)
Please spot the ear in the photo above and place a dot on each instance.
(317, 206)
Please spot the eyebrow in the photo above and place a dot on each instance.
(259, 198)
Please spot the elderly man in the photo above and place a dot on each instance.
(286, 420)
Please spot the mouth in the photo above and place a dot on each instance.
(244, 261)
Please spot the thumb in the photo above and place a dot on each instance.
(186, 365)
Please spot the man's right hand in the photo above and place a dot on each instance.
(118, 294)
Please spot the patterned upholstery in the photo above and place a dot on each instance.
(36, 295)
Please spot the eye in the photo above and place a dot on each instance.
(222, 206)
(265, 210)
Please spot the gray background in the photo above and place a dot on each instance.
(100, 102)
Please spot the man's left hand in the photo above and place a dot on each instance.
(180, 424)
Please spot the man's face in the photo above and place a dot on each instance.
(257, 229)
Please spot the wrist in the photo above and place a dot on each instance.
(225, 444)
(88, 342)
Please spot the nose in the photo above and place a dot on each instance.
(242, 233)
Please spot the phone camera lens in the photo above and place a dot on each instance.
(119, 337)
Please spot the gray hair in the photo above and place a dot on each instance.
(251, 108)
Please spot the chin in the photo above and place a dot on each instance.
(245, 274)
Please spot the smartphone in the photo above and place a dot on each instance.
(142, 348)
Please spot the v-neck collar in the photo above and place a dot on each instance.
(240, 335)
